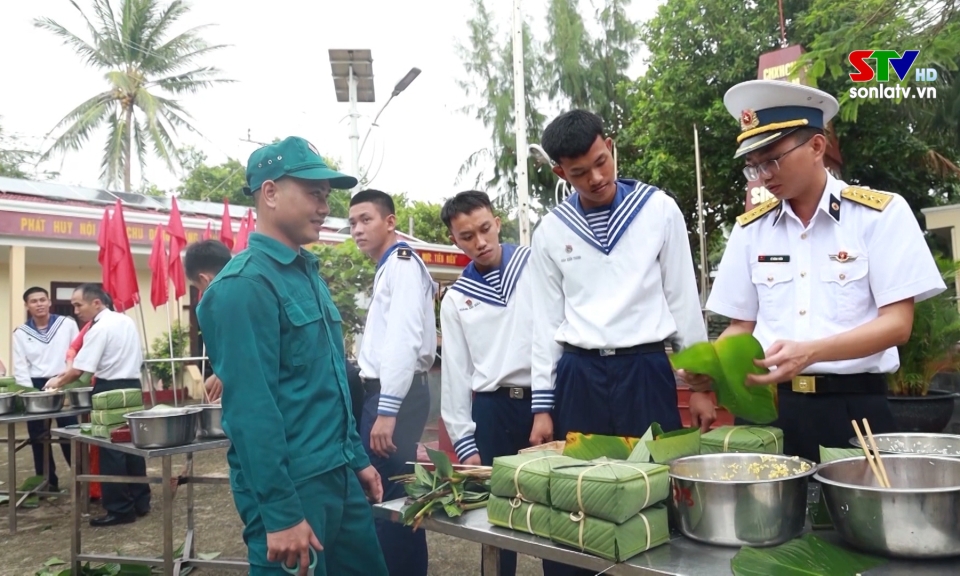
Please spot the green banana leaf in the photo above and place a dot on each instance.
(593, 446)
(640, 452)
(831, 454)
(728, 362)
(804, 556)
(672, 445)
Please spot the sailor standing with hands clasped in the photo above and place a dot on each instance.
(825, 275)
(398, 348)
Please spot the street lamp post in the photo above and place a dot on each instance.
(400, 87)
(353, 81)
(520, 113)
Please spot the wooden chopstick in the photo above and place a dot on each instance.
(867, 454)
(873, 444)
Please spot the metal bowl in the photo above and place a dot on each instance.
(163, 428)
(8, 403)
(918, 517)
(916, 443)
(81, 397)
(210, 417)
(729, 499)
(43, 402)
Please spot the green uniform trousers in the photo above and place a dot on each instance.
(337, 509)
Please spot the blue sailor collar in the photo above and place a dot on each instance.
(473, 284)
(630, 198)
(44, 336)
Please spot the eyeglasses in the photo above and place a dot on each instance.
(768, 168)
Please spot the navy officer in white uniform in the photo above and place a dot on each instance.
(614, 280)
(399, 346)
(824, 274)
(111, 352)
(485, 320)
(40, 353)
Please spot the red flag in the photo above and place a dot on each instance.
(103, 240)
(178, 241)
(226, 226)
(123, 274)
(246, 227)
(208, 233)
(159, 282)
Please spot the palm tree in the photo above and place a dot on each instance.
(146, 66)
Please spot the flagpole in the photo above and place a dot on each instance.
(703, 238)
(146, 346)
(173, 364)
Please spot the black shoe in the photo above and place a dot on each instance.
(112, 520)
(142, 513)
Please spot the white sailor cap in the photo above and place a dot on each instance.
(768, 110)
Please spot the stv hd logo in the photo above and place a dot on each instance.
(886, 59)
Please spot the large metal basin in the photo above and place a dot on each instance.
(8, 403)
(210, 418)
(81, 397)
(163, 429)
(916, 443)
(731, 500)
(43, 402)
(918, 517)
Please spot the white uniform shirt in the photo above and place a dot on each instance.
(808, 283)
(636, 287)
(39, 354)
(400, 334)
(111, 348)
(485, 322)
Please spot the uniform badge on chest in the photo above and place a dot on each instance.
(842, 256)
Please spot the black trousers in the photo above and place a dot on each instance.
(809, 421)
(121, 498)
(36, 429)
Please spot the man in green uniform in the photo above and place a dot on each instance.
(297, 468)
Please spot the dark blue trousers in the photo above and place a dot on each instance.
(404, 550)
(503, 429)
(612, 396)
(121, 498)
(36, 429)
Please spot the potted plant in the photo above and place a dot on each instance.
(931, 350)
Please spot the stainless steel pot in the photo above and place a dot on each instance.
(81, 397)
(8, 403)
(210, 417)
(163, 428)
(916, 443)
(740, 499)
(918, 517)
(43, 402)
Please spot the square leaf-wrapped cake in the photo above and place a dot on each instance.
(609, 489)
(516, 514)
(753, 439)
(615, 542)
(526, 475)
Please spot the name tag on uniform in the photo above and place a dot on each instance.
(773, 258)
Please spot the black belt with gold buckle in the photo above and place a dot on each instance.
(863, 383)
(512, 392)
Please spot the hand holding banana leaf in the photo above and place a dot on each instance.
(729, 363)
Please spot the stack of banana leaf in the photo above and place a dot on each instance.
(752, 439)
(442, 488)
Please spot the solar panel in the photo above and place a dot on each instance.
(140, 200)
(39, 189)
(95, 196)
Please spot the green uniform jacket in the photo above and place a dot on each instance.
(273, 337)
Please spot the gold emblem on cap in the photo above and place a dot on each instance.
(748, 120)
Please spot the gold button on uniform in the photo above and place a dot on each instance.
(769, 278)
(803, 274)
(843, 276)
(803, 236)
(802, 312)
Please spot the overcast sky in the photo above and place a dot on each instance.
(278, 56)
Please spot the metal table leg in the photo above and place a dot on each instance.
(75, 493)
(491, 560)
(167, 515)
(12, 476)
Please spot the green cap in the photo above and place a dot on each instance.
(293, 157)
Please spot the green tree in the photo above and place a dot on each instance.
(146, 66)
(349, 275)
(12, 157)
(212, 183)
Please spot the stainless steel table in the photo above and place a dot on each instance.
(170, 564)
(680, 556)
(13, 446)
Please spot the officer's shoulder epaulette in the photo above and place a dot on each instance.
(756, 212)
(869, 198)
(404, 253)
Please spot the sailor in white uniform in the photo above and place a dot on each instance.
(399, 346)
(825, 275)
(614, 280)
(485, 320)
(40, 353)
